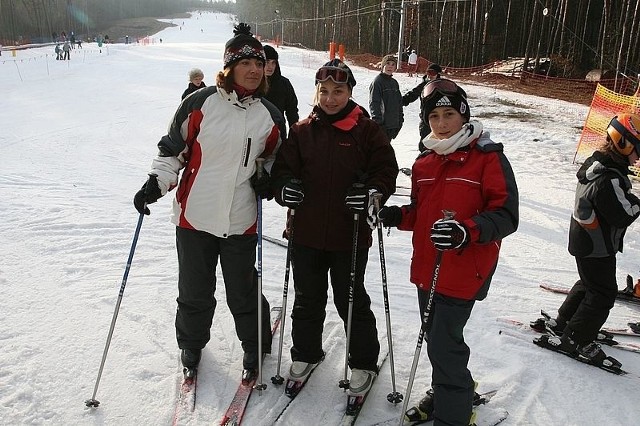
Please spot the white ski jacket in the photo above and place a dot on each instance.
(216, 138)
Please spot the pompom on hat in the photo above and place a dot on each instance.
(242, 45)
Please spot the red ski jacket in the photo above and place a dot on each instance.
(478, 184)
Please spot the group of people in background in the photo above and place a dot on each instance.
(328, 169)
(63, 53)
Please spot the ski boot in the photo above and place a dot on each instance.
(564, 343)
(593, 354)
(423, 412)
(546, 323)
(361, 381)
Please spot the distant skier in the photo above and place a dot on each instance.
(196, 77)
(604, 208)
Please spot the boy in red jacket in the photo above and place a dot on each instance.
(462, 171)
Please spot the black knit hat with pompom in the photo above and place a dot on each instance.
(242, 45)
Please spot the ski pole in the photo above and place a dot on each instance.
(278, 379)
(425, 319)
(259, 385)
(395, 396)
(344, 383)
(93, 402)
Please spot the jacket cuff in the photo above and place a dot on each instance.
(473, 229)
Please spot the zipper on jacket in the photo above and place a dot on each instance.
(247, 151)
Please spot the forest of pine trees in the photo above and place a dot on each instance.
(578, 35)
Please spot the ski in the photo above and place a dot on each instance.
(624, 331)
(623, 295)
(292, 389)
(604, 336)
(356, 402)
(611, 365)
(483, 419)
(276, 241)
(186, 394)
(234, 413)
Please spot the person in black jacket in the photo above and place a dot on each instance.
(195, 82)
(280, 92)
(385, 99)
(327, 170)
(604, 208)
(433, 72)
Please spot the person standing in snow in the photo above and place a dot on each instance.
(385, 99)
(328, 170)
(464, 172)
(196, 77)
(604, 207)
(413, 63)
(215, 137)
(66, 49)
(281, 92)
(433, 72)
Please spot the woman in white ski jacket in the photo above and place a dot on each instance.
(216, 136)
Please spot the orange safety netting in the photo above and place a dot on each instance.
(604, 106)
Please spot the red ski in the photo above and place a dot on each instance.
(235, 411)
(623, 295)
(187, 394)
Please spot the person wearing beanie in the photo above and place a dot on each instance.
(195, 82)
(464, 201)
(385, 99)
(604, 208)
(433, 72)
(210, 155)
(327, 172)
(281, 92)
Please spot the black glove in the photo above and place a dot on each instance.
(390, 216)
(292, 193)
(148, 194)
(262, 185)
(359, 198)
(449, 234)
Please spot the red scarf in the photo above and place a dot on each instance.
(242, 92)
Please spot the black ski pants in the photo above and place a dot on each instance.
(586, 307)
(198, 254)
(311, 268)
(451, 380)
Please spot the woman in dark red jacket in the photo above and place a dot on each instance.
(327, 170)
(464, 172)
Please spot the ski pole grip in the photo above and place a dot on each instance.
(259, 167)
(377, 198)
(448, 214)
(147, 189)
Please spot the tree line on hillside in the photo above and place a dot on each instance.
(559, 37)
(577, 35)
